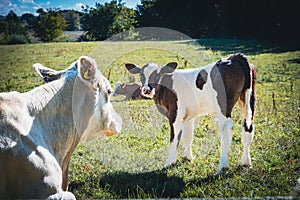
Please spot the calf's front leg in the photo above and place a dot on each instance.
(176, 131)
(188, 134)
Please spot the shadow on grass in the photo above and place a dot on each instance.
(248, 47)
(154, 184)
(142, 185)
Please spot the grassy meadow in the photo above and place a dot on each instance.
(130, 164)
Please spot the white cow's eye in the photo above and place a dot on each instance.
(109, 91)
(99, 86)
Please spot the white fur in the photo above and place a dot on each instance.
(148, 71)
(40, 129)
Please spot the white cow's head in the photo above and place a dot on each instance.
(150, 75)
(92, 110)
(91, 95)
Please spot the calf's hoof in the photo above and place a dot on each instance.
(223, 170)
(168, 165)
(187, 160)
(249, 166)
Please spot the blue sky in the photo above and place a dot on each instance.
(30, 6)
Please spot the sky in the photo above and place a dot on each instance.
(30, 6)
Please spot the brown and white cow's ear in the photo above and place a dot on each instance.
(132, 68)
(169, 68)
(87, 68)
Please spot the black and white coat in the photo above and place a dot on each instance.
(182, 95)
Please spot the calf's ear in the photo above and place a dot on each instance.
(132, 68)
(169, 68)
(87, 68)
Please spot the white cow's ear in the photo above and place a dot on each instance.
(169, 68)
(87, 68)
(132, 68)
(46, 74)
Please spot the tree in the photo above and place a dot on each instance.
(106, 20)
(12, 29)
(29, 20)
(14, 26)
(73, 20)
(147, 14)
(124, 21)
(49, 25)
(192, 17)
(3, 25)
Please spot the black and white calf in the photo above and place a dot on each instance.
(182, 95)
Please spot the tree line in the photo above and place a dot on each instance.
(274, 20)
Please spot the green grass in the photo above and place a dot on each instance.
(130, 164)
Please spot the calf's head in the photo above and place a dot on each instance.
(150, 75)
(118, 89)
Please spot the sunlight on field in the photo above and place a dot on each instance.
(129, 164)
(142, 121)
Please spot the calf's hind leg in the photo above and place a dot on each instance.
(226, 128)
(247, 137)
(247, 126)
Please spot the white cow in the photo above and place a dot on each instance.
(40, 129)
(182, 95)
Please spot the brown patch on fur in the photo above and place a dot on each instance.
(201, 79)
(230, 78)
(250, 129)
(166, 100)
(253, 94)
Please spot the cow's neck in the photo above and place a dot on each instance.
(164, 88)
(50, 106)
(41, 97)
(165, 97)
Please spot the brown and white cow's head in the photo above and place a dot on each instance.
(150, 75)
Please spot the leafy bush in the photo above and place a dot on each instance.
(17, 39)
(49, 25)
(109, 19)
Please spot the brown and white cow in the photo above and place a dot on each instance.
(40, 129)
(130, 90)
(182, 95)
